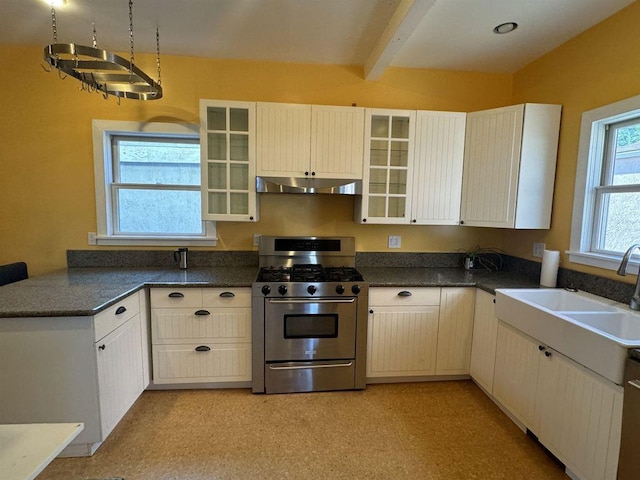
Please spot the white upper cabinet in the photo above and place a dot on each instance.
(388, 164)
(509, 166)
(437, 168)
(283, 139)
(227, 151)
(314, 141)
(337, 142)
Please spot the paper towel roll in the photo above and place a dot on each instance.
(549, 271)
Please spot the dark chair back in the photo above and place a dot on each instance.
(13, 272)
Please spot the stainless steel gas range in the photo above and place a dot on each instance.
(309, 316)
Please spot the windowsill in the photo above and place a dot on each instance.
(157, 242)
(608, 262)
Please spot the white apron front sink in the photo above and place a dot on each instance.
(591, 330)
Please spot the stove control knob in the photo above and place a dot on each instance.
(311, 289)
(282, 289)
(355, 289)
(340, 289)
(266, 289)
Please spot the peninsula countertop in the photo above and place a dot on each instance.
(87, 291)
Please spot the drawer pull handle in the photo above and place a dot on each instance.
(404, 293)
(227, 294)
(120, 310)
(202, 312)
(203, 348)
(176, 295)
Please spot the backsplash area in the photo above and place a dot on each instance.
(615, 290)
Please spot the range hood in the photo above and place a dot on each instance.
(336, 186)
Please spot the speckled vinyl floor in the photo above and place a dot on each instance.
(433, 430)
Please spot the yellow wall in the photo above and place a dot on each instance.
(46, 164)
(47, 200)
(596, 68)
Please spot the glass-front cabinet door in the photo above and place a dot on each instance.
(227, 152)
(387, 181)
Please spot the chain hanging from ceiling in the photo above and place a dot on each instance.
(101, 71)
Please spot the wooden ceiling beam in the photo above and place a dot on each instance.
(402, 24)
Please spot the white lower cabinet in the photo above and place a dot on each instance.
(201, 335)
(418, 332)
(74, 369)
(120, 372)
(574, 412)
(485, 336)
(455, 330)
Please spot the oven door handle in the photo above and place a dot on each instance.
(304, 367)
(317, 300)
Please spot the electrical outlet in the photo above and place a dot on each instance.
(395, 241)
(91, 238)
(256, 239)
(538, 249)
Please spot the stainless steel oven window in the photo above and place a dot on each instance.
(311, 326)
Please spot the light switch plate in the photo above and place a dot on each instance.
(91, 238)
(395, 241)
(538, 249)
(256, 239)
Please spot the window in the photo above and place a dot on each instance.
(606, 215)
(148, 185)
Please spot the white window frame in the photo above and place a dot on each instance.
(103, 130)
(588, 173)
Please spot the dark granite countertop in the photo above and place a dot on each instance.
(87, 291)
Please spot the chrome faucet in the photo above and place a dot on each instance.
(634, 304)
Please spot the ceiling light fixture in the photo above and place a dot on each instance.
(505, 28)
(101, 71)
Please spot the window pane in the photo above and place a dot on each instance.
(377, 180)
(396, 207)
(239, 120)
(626, 161)
(217, 176)
(379, 152)
(218, 203)
(157, 161)
(216, 118)
(621, 225)
(217, 146)
(239, 150)
(380, 126)
(159, 211)
(398, 181)
(377, 206)
(400, 127)
(239, 203)
(239, 173)
(399, 154)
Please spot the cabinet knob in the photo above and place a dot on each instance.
(414, 221)
(176, 295)
(364, 220)
(542, 348)
(102, 347)
(251, 218)
(494, 300)
(461, 222)
(313, 173)
(547, 354)
(120, 310)
(306, 173)
(203, 348)
(370, 311)
(202, 312)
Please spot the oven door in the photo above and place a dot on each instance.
(310, 329)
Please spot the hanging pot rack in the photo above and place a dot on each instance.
(102, 71)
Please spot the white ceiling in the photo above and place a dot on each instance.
(442, 34)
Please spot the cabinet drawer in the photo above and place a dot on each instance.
(114, 316)
(176, 297)
(185, 364)
(226, 297)
(393, 296)
(184, 325)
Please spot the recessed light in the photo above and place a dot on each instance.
(505, 28)
(57, 3)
